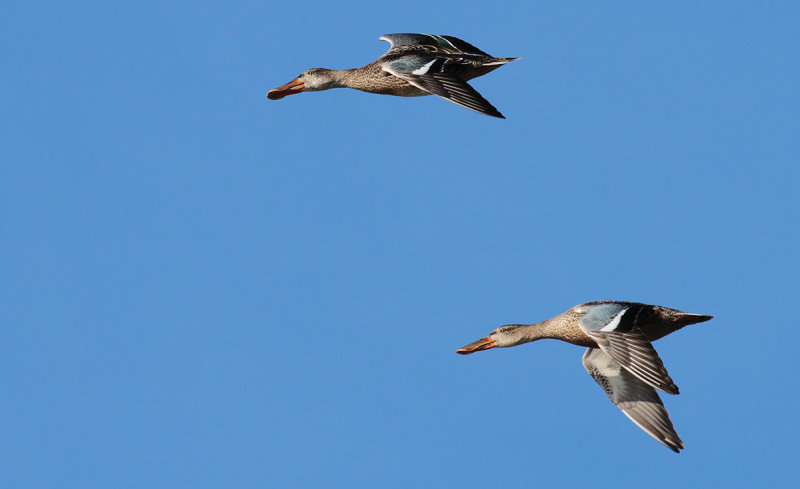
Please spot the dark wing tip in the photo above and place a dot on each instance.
(676, 445)
(465, 47)
(492, 111)
(459, 92)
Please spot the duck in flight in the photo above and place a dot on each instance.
(415, 65)
(619, 357)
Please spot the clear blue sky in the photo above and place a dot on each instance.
(204, 288)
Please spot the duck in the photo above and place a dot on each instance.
(415, 65)
(620, 356)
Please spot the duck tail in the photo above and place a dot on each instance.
(499, 61)
(688, 318)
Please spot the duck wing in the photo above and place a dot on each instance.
(637, 400)
(448, 44)
(617, 330)
(435, 75)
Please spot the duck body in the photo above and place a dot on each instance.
(415, 65)
(653, 322)
(619, 355)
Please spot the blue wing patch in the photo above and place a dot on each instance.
(607, 317)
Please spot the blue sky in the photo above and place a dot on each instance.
(204, 288)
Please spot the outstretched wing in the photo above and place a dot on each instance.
(431, 74)
(637, 400)
(448, 44)
(614, 327)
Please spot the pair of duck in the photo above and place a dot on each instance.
(618, 335)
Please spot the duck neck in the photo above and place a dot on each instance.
(546, 329)
(366, 78)
(341, 79)
(525, 333)
(564, 327)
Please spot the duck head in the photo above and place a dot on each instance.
(311, 80)
(502, 337)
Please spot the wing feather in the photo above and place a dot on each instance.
(448, 44)
(428, 73)
(637, 400)
(614, 326)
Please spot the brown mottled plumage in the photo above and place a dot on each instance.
(415, 65)
(619, 357)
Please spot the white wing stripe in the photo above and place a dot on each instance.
(424, 68)
(614, 322)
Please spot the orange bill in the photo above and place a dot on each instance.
(294, 86)
(482, 344)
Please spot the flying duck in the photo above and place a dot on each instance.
(415, 65)
(619, 357)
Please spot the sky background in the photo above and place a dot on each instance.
(205, 288)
